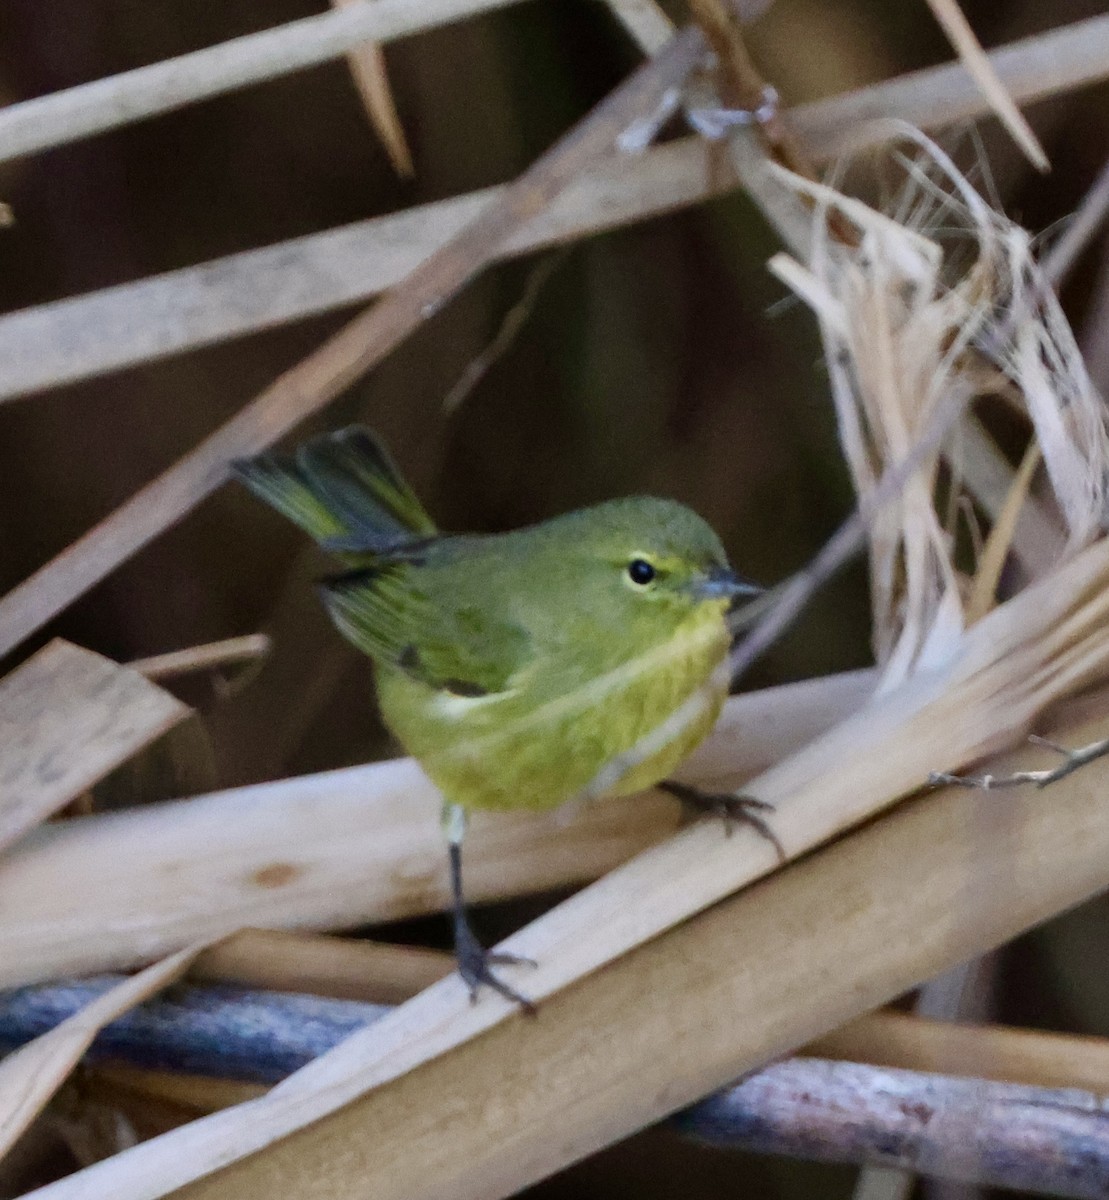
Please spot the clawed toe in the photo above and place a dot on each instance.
(732, 808)
(475, 965)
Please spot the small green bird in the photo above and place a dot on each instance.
(582, 657)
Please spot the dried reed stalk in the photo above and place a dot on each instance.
(645, 21)
(162, 87)
(341, 968)
(69, 718)
(212, 656)
(339, 849)
(1030, 1056)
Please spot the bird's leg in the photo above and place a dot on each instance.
(732, 807)
(475, 963)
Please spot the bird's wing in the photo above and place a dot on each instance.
(443, 641)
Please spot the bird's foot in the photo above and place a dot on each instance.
(475, 965)
(733, 808)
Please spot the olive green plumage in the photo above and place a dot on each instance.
(579, 657)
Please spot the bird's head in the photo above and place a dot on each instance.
(639, 562)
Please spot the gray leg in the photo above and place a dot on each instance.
(474, 961)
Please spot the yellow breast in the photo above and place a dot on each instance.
(619, 732)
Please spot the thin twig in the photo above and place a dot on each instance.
(1073, 760)
(514, 320)
(343, 358)
(785, 603)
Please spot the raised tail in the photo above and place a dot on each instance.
(344, 490)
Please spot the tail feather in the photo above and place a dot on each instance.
(344, 490)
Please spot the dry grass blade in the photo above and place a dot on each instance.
(162, 87)
(367, 66)
(1087, 221)
(69, 718)
(347, 355)
(1030, 69)
(339, 849)
(991, 561)
(969, 49)
(30, 1075)
(752, 978)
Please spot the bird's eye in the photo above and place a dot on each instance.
(640, 571)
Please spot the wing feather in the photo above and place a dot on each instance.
(444, 643)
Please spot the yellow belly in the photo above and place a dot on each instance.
(616, 733)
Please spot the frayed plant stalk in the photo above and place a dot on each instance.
(940, 301)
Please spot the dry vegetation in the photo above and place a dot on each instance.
(214, 815)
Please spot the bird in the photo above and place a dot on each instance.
(578, 658)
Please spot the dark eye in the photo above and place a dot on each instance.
(640, 571)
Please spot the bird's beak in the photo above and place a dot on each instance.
(722, 583)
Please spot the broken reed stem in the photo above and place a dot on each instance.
(212, 656)
(346, 356)
(63, 341)
(70, 717)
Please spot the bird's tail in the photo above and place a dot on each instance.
(344, 490)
